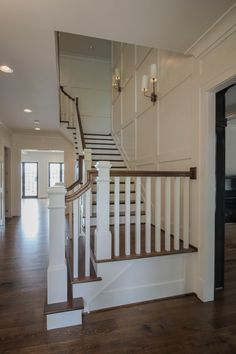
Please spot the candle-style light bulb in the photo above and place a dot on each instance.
(153, 72)
(144, 87)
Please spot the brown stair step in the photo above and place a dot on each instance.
(70, 305)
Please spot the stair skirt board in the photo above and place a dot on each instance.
(132, 281)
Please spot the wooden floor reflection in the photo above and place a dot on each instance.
(177, 326)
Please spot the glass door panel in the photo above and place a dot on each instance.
(56, 173)
(29, 179)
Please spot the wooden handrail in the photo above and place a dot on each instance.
(67, 94)
(192, 173)
(80, 122)
(91, 174)
(70, 197)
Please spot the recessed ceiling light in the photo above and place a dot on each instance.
(37, 128)
(6, 69)
(28, 110)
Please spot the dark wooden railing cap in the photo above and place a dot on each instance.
(91, 174)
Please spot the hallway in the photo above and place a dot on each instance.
(182, 325)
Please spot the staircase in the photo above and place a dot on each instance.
(103, 148)
(129, 233)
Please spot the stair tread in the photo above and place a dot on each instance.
(92, 134)
(70, 305)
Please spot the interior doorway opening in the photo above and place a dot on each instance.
(225, 213)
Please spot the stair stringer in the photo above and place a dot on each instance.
(137, 280)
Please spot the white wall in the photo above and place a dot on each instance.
(230, 150)
(37, 142)
(43, 159)
(90, 80)
(179, 132)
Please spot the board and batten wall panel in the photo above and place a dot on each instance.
(90, 80)
(138, 128)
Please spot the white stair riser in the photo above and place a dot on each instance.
(100, 141)
(113, 163)
(122, 187)
(122, 207)
(108, 137)
(106, 157)
(93, 220)
(122, 197)
(107, 150)
(96, 146)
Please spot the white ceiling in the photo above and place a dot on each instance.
(27, 42)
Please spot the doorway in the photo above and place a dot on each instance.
(29, 179)
(225, 211)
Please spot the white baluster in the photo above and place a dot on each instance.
(167, 213)
(186, 213)
(117, 216)
(176, 213)
(158, 215)
(127, 216)
(70, 209)
(87, 233)
(75, 237)
(148, 215)
(138, 216)
(102, 233)
(87, 163)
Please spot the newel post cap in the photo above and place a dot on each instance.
(103, 165)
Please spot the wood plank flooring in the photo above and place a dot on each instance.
(182, 325)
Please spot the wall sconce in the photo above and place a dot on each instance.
(153, 80)
(116, 80)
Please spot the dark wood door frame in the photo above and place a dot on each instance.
(221, 124)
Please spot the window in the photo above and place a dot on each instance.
(56, 173)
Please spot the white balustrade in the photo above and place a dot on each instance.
(127, 216)
(87, 232)
(158, 215)
(138, 216)
(167, 213)
(177, 213)
(186, 213)
(117, 216)
(148, 215)
(76, 228)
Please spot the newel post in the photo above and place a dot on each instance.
(57, 269)
(87, 163)
(102, 233)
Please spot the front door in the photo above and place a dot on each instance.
(29, 180)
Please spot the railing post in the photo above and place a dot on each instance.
(57, 269)
(87, 163)
(102, 233)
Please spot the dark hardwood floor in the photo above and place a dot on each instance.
(178, 326)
